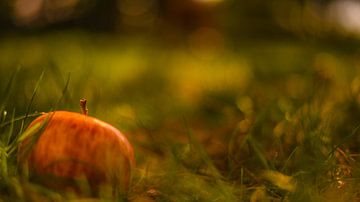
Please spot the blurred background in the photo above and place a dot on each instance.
(234, 19)
(286, 72)
(186, 46)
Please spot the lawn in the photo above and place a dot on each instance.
(273, 120)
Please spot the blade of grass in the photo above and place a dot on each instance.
(11, 130)
(34, 133)
(8, 89)
(199, 148)
(12, 146)
(247, 139)
(4, 165)
(288, 159)
(63, 92)
(37, 85)
(219, 179)
(3, 116)
(258, 151)
(59, 79)
(16, 186)
(3, 150)
(331, 153)
(20, 118)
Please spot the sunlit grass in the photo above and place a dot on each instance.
(276, 122)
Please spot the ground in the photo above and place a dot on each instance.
(275, 120)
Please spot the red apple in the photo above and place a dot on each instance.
(73, 147)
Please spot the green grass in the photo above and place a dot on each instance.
(275, 122)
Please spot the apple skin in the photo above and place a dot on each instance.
(73, 147)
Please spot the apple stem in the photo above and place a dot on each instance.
(83, 107)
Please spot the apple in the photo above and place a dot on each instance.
(71, 147)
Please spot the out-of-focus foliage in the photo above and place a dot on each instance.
(275, 18)
(223, 100)
(276, 120)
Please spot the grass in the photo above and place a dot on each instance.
(272, 123)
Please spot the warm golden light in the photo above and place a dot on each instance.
(208, 1)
